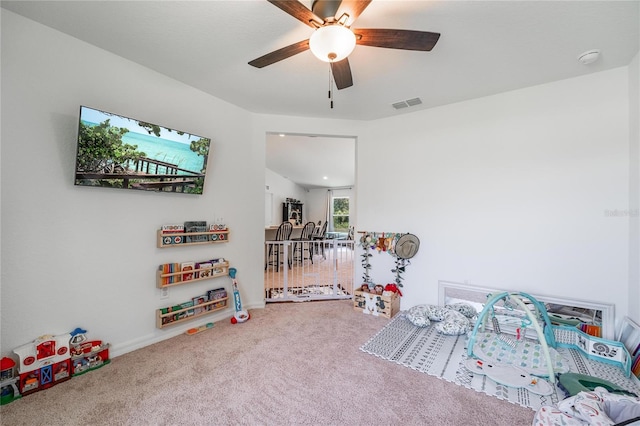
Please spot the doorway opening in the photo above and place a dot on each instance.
(316, 173)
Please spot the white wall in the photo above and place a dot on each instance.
(509, 191)
(317, 204)
(283, 188)
(78, 256)
(634, 189)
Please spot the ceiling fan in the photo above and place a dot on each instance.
(334, 39)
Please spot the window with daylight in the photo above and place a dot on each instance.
(341, 214)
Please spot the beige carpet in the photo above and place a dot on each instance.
(292, 363)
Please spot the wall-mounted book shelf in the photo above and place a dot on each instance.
(182, 239)
(174, 274)
(172, 279)
(168, 316)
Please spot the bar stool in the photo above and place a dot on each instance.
(319, 235)
(305, 238)
(275, 250)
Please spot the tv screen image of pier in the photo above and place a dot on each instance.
(115, 151)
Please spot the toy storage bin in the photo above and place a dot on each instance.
(385, 306)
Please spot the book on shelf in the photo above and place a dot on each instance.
(217, 294)
(173, 268)
(168, 269)
(171, 229)
(163, 270)
(166, 319)
(203, 270)
(199, 300)
(187, 269)
(187, 313)
(195, 226)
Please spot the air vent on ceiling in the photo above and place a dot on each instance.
(407, 103)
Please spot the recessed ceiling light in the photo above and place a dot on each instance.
(324, 177)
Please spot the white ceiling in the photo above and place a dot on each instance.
(308, 160)
(486, 47)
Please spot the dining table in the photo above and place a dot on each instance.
(270, 232)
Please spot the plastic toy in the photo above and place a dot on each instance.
(196, 330)
(488, 347)
(50, 360)
(596, 348)
(44, 362)
(574, 383)
(510, 375)
(240, 315)
(8, 389)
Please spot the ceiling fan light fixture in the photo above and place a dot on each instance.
(332, 43)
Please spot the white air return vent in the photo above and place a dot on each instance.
(407, 103)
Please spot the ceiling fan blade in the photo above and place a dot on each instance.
(298, 11)
(397, 39)
(342, 74)
(353, 8)
(280, 54)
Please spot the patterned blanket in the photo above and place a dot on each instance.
(427, 351)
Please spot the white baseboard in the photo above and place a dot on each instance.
(162, 335)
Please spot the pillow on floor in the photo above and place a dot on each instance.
(453, 324)
(449, 321)
(464, 308)
(418, 315)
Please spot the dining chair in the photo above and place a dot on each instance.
(319, 235)
(306, 238)
(277, 249)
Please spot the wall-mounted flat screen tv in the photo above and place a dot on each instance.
(121, 152)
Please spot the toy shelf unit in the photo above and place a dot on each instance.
(192, 233)
(205, 304)
(174, 274)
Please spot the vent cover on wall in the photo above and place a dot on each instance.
(407, 103)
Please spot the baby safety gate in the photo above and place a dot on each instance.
(309, 270)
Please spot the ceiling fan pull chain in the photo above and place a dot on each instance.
(330, 87)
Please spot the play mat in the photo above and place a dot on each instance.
(427, 351)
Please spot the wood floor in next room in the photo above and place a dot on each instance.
(330, 275)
